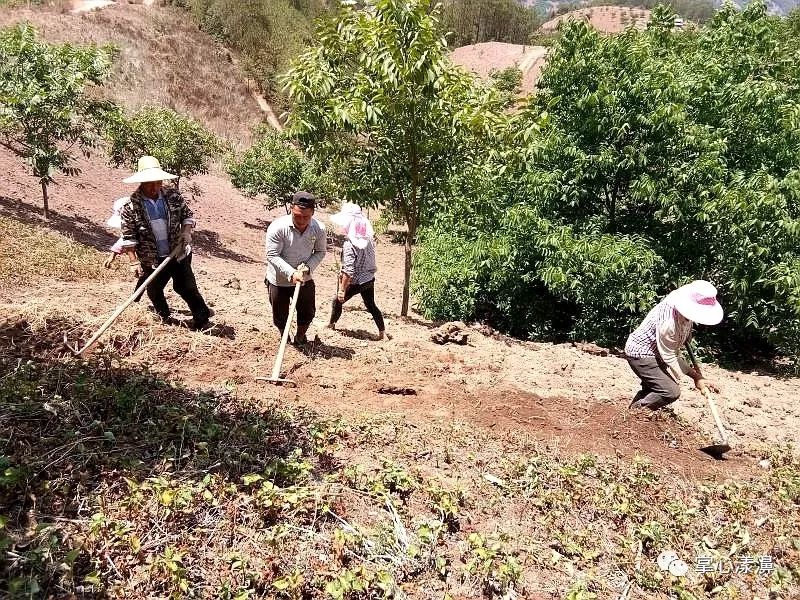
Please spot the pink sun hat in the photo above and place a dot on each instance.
(697, 301)
(355, 225)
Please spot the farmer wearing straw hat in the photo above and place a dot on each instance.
(296, 245)
(358, 269)
(653, 349)
(156, 221)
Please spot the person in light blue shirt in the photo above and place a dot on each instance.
(295, 245)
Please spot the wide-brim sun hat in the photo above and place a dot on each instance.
(697, 301)
(346, 214)
(148, 169)
(355, 225)
(115, 220)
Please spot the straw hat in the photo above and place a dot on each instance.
(356, 226)
(148, 169)
(115, 220)
(697, 301)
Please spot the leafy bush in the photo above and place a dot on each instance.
(645, 160)
(275, 168)
(181, 144)
(46, 109)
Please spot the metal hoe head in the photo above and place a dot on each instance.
(717, 451)
(74, 349)
(277, 381)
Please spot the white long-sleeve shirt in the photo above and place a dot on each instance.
(662, 333)
(287, 248)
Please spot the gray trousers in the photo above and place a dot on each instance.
(658, 388)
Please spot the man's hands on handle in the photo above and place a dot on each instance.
(699, 381)
(300, 273)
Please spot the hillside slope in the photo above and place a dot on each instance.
(483, 59)
(163, 60)
(606, 19)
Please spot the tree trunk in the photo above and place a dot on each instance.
(407, 273)
(44, 199)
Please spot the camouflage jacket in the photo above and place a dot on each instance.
(137, 232)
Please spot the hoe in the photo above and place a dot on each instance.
(716, 450)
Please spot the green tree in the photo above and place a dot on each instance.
(46, 110)
(275, 168)
(646, 159)
(181, 144)
(380, 96)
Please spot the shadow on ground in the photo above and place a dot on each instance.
(72, 428)
(89, 233)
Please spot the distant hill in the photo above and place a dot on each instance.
(550, 8)
(482, 59)
(607, 19)
(164, 60)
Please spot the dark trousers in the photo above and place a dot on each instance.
(139, 283)
(367, 291)
(184, 284)
(658, 388)
(280, 298)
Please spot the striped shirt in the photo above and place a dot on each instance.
(287, 248)
(662, 333)
(358, 264)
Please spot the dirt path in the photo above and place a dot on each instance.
(557, 393)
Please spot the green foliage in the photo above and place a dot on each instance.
(508, 83)
(46, 109)
(180, 143)
(379, 98)
(646, 159)
(489, 560)
(476, 21)
(275, 168)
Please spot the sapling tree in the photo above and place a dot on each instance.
(47, 110)
(180, 143)
(380, 95)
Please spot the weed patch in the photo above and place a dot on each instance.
(30, 252)
(115, 482)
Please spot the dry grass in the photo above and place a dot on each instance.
(164, 60)
(29, 252)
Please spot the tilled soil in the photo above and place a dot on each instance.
(559, 394)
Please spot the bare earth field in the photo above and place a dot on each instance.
(606, 19)
(523, 454)
(553, 392)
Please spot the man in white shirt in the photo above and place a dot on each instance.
(296, 245)
(653, 349)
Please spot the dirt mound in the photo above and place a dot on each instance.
(606, 19)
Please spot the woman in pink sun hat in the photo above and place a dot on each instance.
(653, 349)
(357, 275)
